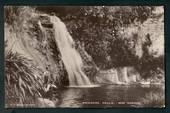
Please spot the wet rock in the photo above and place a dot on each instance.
(45, 21)
(107, 77)
(120, 75)
(48, 25)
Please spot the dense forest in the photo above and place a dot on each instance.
(106, 37)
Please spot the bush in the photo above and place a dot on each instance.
(156, 99)
(20, 82)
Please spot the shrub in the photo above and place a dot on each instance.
(20, 82)
(153, 100)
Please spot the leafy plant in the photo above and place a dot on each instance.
(20, 82)
(156, 99)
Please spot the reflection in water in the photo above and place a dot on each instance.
(113, 96)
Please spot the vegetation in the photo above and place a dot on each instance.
(154, 99)
(100, 26)
(21, 84)
(149, 65)
(101, 31)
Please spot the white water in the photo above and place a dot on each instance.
(122, 75)
(114, 76)
(70, 56)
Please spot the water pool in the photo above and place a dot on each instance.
(113, 96)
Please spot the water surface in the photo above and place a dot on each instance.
(108, 96)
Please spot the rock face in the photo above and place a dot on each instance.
(121, 75)
(90, 68)
(108, 77)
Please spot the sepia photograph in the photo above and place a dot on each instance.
(84, 57)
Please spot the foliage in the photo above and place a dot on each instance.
(10, 14)
(122, 54)
(13, 14)
(149, 65)
(98, 29)
(117, 46)
(20, 81)
(154, 99)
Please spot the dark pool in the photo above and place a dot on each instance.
(113, 96)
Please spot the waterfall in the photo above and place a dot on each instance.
(70, 56)
(116, 78)
(122, 74)
(125, 77)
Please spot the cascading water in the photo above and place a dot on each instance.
(70, 56)
(116, 78)
(125, 77)
(122, 74)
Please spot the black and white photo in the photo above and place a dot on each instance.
(84, 57)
